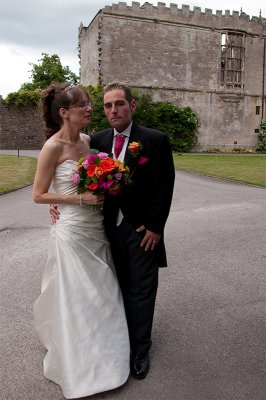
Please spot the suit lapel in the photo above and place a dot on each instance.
(107, 141)
(135, 136)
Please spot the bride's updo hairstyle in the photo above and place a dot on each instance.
(56, 96)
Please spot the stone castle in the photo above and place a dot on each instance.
(214, 63)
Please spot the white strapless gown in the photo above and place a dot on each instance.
(79, 316)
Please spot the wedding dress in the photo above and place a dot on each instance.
(79, 316)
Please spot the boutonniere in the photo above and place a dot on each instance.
(134, 149)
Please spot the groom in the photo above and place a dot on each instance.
(135, 219)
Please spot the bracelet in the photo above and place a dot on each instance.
(80, 200)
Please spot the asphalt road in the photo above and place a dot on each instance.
(209, 328)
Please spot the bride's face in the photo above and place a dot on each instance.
(80, 113)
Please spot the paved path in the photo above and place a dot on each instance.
(21, 153)
(209, 327)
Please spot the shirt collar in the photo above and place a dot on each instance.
(126, 132)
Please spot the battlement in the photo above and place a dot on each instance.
(184, 15)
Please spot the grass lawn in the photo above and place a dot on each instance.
(16, 172)
(241, 168)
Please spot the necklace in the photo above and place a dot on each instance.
(80, 146)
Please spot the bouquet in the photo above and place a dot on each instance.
(100, 173)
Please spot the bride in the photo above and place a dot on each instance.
(79, 316)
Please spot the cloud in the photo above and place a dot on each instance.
(47, 24)
(15, 70)
(29, 28)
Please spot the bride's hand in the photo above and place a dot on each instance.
(89, 198)
(54, 213)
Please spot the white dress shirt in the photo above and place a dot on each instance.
(126, 133)
(121, 157)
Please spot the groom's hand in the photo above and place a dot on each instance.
(150, 239)
(54, 213)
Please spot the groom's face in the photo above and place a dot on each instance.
(117, 109)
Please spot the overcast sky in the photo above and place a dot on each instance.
(29, 28)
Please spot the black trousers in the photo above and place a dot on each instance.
(138, 278)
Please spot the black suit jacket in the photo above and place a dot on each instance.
(148, 199)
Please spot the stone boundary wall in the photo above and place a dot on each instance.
(20, 128)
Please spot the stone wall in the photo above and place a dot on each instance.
(20, 128)
(175, 54)
(89, 56)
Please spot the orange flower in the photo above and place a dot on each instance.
(98, 172)
(107, 165)
(134, 147)
(120, 166)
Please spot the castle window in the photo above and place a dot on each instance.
(232, 59)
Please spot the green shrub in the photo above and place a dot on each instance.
(144, 114)
(180, 124)
(262, 137)
(23, 98)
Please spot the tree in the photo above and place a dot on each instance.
(48, 70)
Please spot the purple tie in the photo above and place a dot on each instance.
(119, 141)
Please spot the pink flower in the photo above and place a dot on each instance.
(85, 164)
(118, 175)
(91, 158)
(75, 179)
(143, 160)
(102, 156)
(106, 185)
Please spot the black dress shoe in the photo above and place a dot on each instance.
(139, 365)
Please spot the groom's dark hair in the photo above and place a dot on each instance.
(118, 85)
